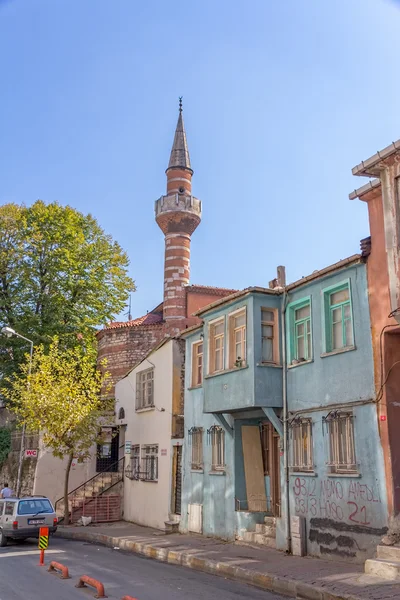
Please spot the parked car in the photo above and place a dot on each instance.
(22, 518)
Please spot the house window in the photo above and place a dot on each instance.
(196, 440)
(299, 331)
(150, 463)
(217, 343)
(217, 435)
(197, 364)
(121, 414)
(338, 318)
(237, 331)
(269, 335)
(342, 455)
(302, 458)
(145, 389)
(135, 461)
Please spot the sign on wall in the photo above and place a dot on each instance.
(163, 452)
(31, 453)
(128, 447)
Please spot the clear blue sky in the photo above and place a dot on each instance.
(281, 99)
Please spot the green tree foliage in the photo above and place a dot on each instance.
(5, 443)
(60, 274)
(62, 400)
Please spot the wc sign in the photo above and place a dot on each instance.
(31, 453)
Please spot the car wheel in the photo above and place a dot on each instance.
(3, 539)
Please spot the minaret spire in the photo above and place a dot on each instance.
(180, 158)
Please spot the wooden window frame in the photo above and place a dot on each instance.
(211, 345)
(275, 336)
(233, 361)
(144, 398)
(196, 441)
(342, 445)
(292, 327)
(328, 309)
(195, 364)
(301, 431)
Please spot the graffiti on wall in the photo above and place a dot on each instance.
(340, 500)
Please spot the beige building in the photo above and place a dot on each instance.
(149, 407)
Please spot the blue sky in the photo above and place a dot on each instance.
(281, 100)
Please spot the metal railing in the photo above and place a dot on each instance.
(96, 485)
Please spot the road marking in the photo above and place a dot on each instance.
(29, 553)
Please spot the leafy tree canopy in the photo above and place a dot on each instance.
(60, 274)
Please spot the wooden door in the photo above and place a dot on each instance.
(270, 443)
(253, 469)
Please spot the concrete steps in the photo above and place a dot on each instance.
(387, 563)
(264, 534)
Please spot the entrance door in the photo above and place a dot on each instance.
(270, 442)
(107, 451)
(177, 480)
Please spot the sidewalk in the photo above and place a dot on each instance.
(308, 578)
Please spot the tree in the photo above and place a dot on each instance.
(60, 274)
(61, 399)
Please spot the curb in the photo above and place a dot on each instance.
(265, 581)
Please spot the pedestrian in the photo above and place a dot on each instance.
(6, 492)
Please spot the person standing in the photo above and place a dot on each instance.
(6, 492)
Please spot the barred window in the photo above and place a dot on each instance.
(144, 389)
(217, 438)
(302, 458)
(342, 454)
(135, 461)
(150, 463)
(196, 440)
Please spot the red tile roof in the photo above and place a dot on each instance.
(209, 289)
(149, 319)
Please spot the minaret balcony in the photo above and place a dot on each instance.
(178, 203)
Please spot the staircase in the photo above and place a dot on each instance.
(93, 498)
(387, 563)
(264, 534)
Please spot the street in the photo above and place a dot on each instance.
(122, 574)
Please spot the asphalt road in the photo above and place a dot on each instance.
(122, 574)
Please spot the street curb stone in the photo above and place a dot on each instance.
(265, 581)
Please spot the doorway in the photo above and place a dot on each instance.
(270, 445)
(107, 451)
(177, 480)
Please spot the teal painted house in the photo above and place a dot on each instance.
(280, 420)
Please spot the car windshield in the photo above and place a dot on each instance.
(34, 507)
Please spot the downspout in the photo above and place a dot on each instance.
(285, 422)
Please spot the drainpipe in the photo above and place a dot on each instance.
(285, 422)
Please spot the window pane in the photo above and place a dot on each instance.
(348, 332)
(219, 328)
(300, 348)
(267, 315)
(200, 349)
(338, 297)
(337, 335)
(302, 313)
(238, 335)
(267, 350)
(300, 329)
(336, 315)
(240, 320)
(267, 331)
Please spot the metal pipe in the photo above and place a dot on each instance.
(285, 422)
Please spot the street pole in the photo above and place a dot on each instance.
(22, 449)
(9, 332)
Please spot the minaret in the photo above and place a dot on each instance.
(177, 214)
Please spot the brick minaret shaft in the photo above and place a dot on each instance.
(177, 214)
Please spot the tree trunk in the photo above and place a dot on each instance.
(66, 482)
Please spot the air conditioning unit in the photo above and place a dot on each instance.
(195, 520)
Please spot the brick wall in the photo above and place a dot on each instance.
(124, 347)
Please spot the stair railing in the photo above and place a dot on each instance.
(97, 484)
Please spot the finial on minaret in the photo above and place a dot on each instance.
(180, 103)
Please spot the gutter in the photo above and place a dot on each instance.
(375, 183)
(285, 420)
(365, 168)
